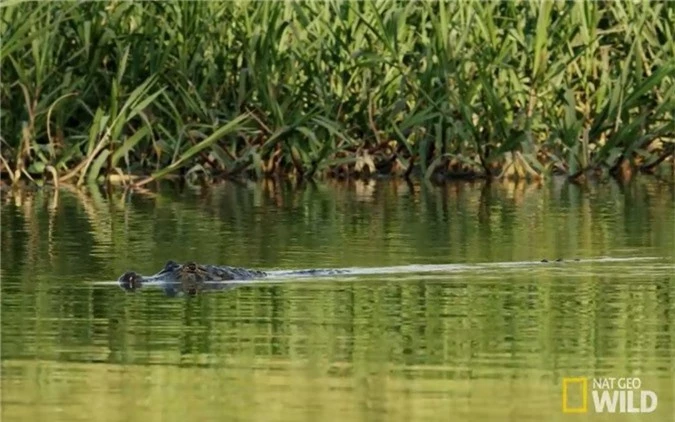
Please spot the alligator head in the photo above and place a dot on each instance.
(131, 280)
(189, 277)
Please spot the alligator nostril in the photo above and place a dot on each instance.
(130, 281)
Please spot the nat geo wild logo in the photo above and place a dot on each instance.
(608, 395)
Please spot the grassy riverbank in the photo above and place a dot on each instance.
(139, 91)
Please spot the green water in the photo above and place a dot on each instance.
(481, 341)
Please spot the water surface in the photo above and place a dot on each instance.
(487, 335)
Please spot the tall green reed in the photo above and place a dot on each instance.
(94, 90)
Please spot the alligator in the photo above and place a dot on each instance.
(191, 277)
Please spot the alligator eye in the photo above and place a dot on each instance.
(191, 266)
(170, 265)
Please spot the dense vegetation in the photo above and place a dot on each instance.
(211, 89)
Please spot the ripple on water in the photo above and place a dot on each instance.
(483, 331)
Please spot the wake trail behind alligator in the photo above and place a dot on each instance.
(353, 273)
(349, 273)
(446, 268)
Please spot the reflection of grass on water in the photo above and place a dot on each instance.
(567, 221)
(209, 89)
(438, 340)
(245, 391)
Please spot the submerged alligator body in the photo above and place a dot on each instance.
(191, 277)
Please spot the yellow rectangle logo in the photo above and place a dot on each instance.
(566, 382)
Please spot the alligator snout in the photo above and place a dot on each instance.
(130, 281)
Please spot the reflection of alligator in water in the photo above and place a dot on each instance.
(191, 277)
